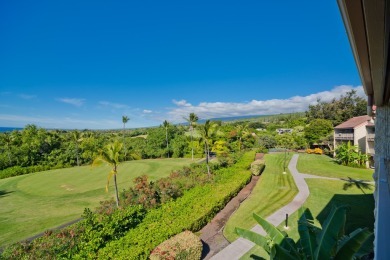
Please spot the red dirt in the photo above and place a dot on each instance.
(212, 234)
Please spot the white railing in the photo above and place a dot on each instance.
(370, 137)
(343, 136)
(382, 221)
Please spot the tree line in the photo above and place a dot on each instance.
(63, 148)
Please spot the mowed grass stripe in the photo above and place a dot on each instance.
(33, 203)
(273, 191)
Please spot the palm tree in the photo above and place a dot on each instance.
(207, 131)
(192, 119)
(110, 156)
(77, 137)
(125, 119)
(242, 132)
(166, 125)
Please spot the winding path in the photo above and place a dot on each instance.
(241, 246)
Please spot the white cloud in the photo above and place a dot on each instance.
(181, 103)
(78, 102)
(113, 105)
(256, 107)
(62, 123)
(147, 111)
(25, 96)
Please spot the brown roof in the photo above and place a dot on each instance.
(353, 122)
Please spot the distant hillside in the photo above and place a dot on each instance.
(256, 117)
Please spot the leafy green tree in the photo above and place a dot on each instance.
(166, 126)
(192, 119)
(125, 119)
(338, 110)
(268, 141)
(110, 156)
(315, 243)
(207, 131)
(77, 137)
(316, 129)
(286, 140)
(6, 141)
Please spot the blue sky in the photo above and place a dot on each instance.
(84, 64)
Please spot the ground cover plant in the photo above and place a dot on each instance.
(33, 203)
(327, 167)
(273, 191)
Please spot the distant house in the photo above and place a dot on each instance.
(284, 130)
(359, 131)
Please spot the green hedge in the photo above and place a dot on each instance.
(18, 170)
(190, 212)
(257, 167)
(81, 240)
(186, 246)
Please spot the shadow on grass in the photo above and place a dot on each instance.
(4, 193)
(255, 257)
(361, 213)
(360, 184)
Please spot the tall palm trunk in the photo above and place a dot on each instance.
(116, 190)
(206, 145)
(192, 142)
(124, 144)
(77, 154)
(166, 138)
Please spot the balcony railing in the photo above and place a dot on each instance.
(370, 137)
(343, 136)
(382, 225)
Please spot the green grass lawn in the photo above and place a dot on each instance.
(273, 191)
(323, 165)
(39, 201)
(324, 194)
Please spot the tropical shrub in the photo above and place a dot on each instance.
(350, 155)
(330, 242)
(185, 245)
(18, 170)
(257, 167)
(190, 212)
(314, 151)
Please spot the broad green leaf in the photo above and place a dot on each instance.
(254, 237)
(327, 239)
(366, 248)
(307, 232)
(282, 253)
(351, 244)
(276, 235)
(112, 173)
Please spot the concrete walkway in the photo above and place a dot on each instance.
(241, 246)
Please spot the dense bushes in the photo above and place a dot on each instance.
(82, 239)
(18, 170)
(190, 212)
(185, 246)
(315, 151)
